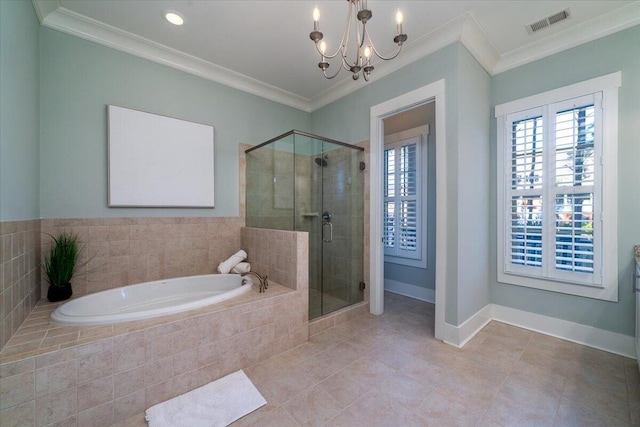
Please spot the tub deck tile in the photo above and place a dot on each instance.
(38, 335)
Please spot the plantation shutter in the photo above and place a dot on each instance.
(525, 177)
(551, 195)
(574, 189)
(401, 205)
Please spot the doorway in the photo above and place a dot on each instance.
(409, 184)
(435, 93)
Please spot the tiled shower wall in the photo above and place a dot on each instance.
(19, 274)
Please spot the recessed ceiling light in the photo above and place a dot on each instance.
(173, 17)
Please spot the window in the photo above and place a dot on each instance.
(557, 195)
(403, 236)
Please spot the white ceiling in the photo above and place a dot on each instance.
(263, 47)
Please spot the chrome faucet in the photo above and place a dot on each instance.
(264, 282)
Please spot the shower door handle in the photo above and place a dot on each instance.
(324, 238)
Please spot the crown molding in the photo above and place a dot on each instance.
(478, 44)
(44, 8)
(464, 29)
(610, 23)
(61, 19)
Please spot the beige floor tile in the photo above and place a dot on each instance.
(571, 414)
(379, 409)
(475, 395)
(598, 399)
(406, 389)
(343, 389)
(440, 410)
(390, 371)
(426, 372)
(347, 418)
(320, 366)
(508, 412)
(276, 417)
(392, 356)
(284, 387)
(314, 407)
(543, 396)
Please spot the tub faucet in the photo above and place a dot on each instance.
(264, 282)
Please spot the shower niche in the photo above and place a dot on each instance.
(303, 182)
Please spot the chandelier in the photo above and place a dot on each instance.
(361, 61)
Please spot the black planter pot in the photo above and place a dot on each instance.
(59, 293)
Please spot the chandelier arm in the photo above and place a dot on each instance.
(345, 36)
(345, 62)
(325, 55)
(384, 58)
(324, 72)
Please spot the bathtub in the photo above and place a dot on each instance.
(150, 299)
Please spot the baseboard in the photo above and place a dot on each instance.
(411, 291)
(601, 339)
(458, 336)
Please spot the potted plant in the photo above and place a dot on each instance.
(60, 265)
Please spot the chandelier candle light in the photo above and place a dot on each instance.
(362, 60)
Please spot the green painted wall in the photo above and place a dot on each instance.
(79, 78)
(466, 128)
(19, 112)
(474, 186)
(618, 52)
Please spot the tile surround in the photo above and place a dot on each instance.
(122, 251)
(19, 274)
(110, 377)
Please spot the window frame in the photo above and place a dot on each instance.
(603, 284)
(396, 139)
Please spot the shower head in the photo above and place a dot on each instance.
(321, 162)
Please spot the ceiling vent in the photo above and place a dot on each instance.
(548, 21)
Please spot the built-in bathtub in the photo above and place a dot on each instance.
(83, 375)
(151, 299)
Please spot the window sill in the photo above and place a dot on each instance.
(608, 292)
(418, 263)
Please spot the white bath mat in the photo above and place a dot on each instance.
(216, 404)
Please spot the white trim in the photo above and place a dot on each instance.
(78, 25)
(601, 339)
(612, 342)
(464, 29)
(597, 84)
(409, 290)
(479, 45)
(458, 336)
(389, 108)
(606, 286)
(602, 26)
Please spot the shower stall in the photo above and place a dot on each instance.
(303, 182)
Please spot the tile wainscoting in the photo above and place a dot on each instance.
(80, 378)
(19, 274)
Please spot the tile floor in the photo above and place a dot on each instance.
(390, 371)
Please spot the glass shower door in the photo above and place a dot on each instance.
(340, 189)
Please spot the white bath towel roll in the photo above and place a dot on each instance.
(243, 267)
(225, 266)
